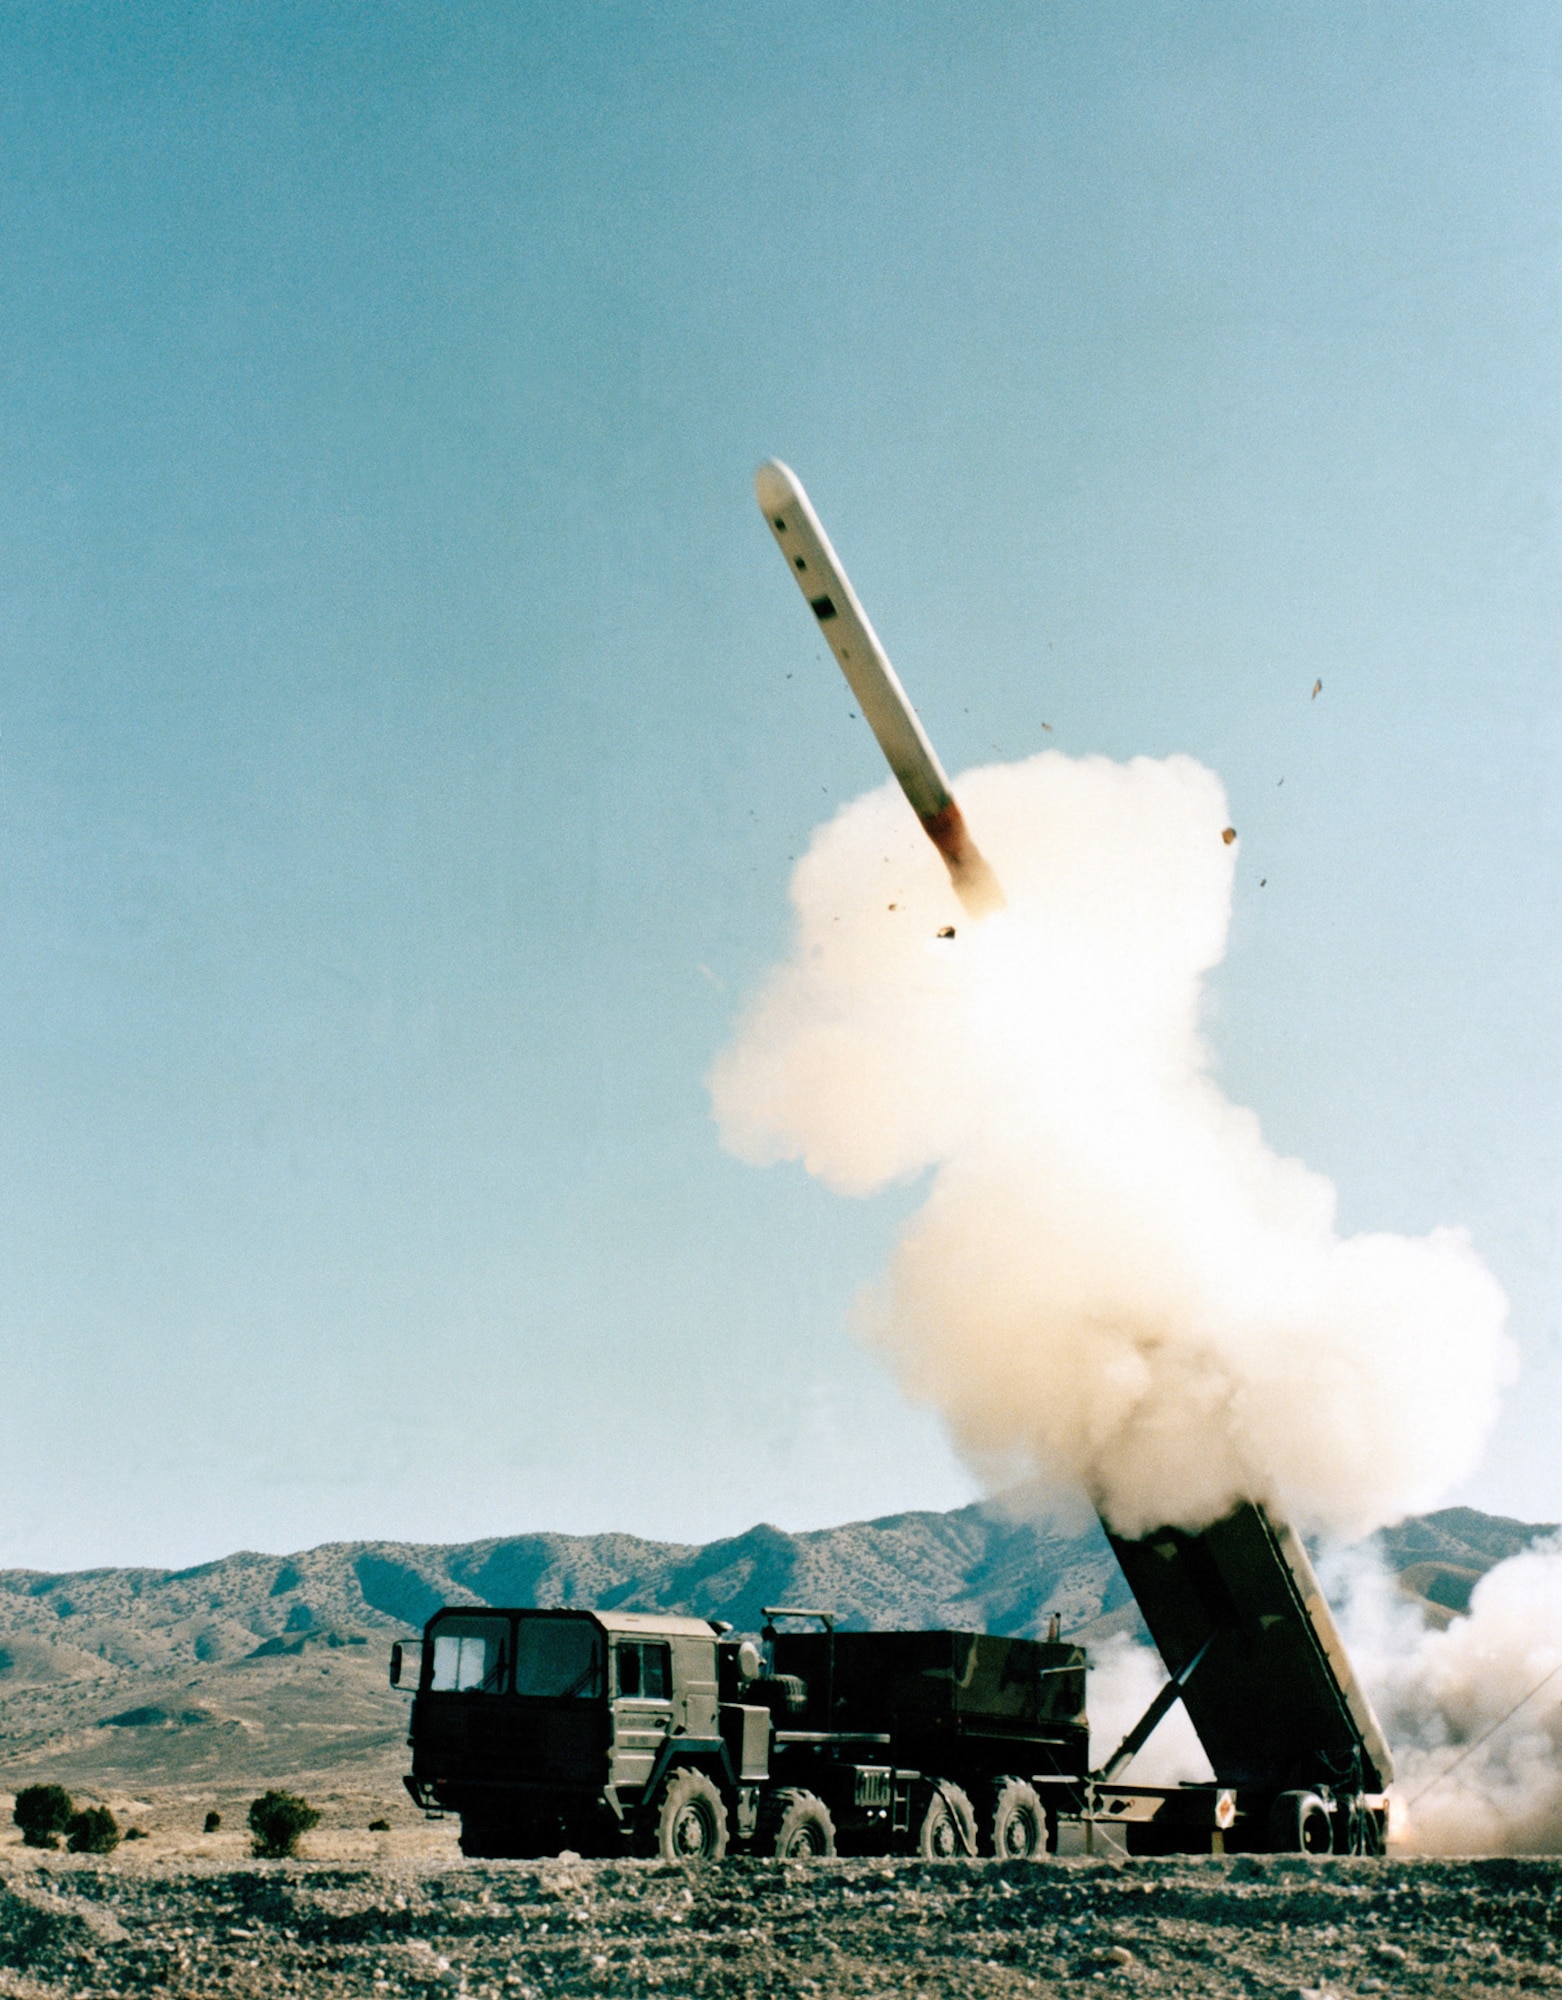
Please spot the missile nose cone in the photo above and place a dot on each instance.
(776, 486)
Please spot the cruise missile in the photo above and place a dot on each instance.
(830, 597)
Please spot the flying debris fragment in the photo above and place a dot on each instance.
(947, 931)
(1228, 834)
(830, 597)
(1317, 690)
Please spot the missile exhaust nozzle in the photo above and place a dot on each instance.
(827, 590)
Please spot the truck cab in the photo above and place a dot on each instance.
(547, 1729)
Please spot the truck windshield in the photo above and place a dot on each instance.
(559, 1658)
(469, 1655)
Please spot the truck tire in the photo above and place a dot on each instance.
(1299, 1823)
(795, 1826)
(948, 1825)
(691, 1820)
(1014, 1827)
(506, 1840)
(479, 1841)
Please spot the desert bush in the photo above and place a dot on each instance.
(137, 1833)
(93, 1831)
(277, 1822)
(43, 1812)
(213, 1822)
(379, 1826)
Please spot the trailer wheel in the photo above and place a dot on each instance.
(795, 1826)
(1299, 1823)
(1364, 1830)
(1015, 1826)
(691, 1822)
(948, 1826)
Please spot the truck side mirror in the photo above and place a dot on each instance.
(406, 1663)
(395, 1670)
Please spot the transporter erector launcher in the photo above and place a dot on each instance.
(830, 597)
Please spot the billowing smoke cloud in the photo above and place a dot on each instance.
(1474, 1711)
(1113, 1285)
(1124, 1679)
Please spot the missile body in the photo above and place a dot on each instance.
(855, 644)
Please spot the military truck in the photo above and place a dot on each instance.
(611, 1732)
(620, 1732)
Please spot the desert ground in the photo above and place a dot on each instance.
(168, 1696)
(376, 1914)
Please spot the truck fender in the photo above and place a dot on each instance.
(706, 1753)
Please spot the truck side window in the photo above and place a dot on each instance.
(643, 1670)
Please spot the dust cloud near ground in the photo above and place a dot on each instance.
(1472, 1702)
(411, 1920)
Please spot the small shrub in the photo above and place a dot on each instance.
(137, 1833)
(379, 1826)
(93, 1831)
(43, 1812)
(213, 1822)
(277, 1822)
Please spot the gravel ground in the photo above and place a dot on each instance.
(529, 1931)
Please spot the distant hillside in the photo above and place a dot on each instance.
(972, 1567)
(1441, 1557)
(278, 1663)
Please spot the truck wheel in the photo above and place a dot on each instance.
(504, 1840)
(478, 1841)
(691, 1824)
(948, 1826)
(1299, 1823)
(1016, 1824)
(795, 1826)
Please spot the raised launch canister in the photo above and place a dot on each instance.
(830, 597)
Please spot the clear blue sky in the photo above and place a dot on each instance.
(406, 725)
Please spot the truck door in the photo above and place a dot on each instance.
(642, 1707)
(460, 1721)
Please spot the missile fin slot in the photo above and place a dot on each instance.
(822, 607)
(780, 527)
(800, 563)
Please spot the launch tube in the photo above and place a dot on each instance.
(830, 597)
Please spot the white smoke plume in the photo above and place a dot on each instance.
(1124, 1679)
(1474, 1711)
(1113, 1285)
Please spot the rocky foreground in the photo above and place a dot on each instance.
(1241, 1926)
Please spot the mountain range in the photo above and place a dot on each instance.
(276, 1664)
